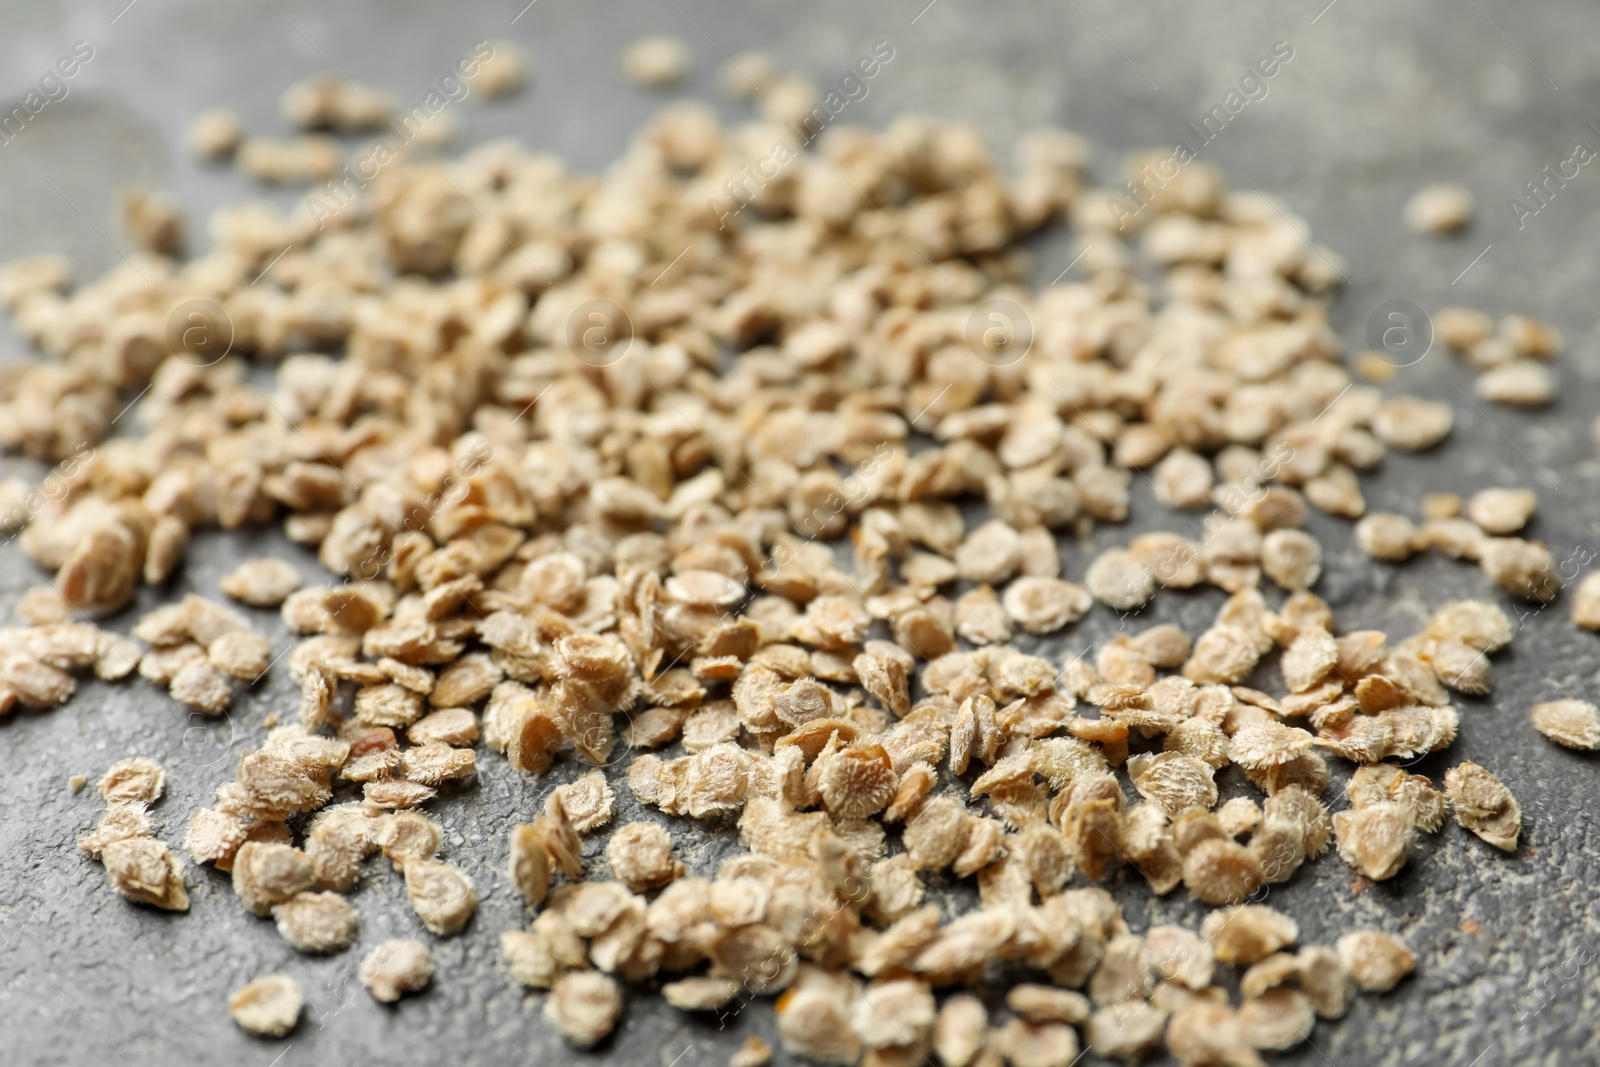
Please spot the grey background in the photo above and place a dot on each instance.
(1377, 100)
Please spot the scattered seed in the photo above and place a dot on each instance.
(395, 968)
(268, 1006)
(1439, 208)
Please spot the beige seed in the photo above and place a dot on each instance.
(584, 1006)
(1376, 961)
(1478, 624)
(1500, 512)
(317, 922)
(1292, 558)
(1279, 1018)
(1522, 568)
(1382, 782)
(1412, 425)
(857, 782)
(1248, 933)
(261, 583)
(1586, 602)
(1483, 805)
(640, 854)
(1174, 562)
(656, 62)
(1178, 955)
(895, 1012)
(1182, 480)
(502, 73)
(814, 1018)
(1521, 383)
(266, 874)
(1462, 328)
(704, 993)
(1439, 208)
(1392, 538)
(143, 870)
(1026, 1044)
(588, 802)
(989, 554)
(203, 687)
(132, 781)
(1175, 781)
(1376, 840)
(1462, 668)
(1221, 872)
(441, 895)
(214, 134)
(754, 1052)
(396, 967)
(405, 836)
(241, 654)
(268, 1006)
(958, 1030)
(1128, 1030)
(1205, 1034)
(1044, 605)
(1047, 1004)
(1324, 979)
(1531, 337)
(1573, 723)
(1119, 581)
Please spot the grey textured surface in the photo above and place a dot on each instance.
(1377, 100)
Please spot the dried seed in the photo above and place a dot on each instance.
(754, 1052)
(441, 895)
(1522, 568)
(241, 654)
(1027, 1044)
(896, 1012)
(214, 134)
(1439, 209)
(1375, 961)
(1119, 581)
(1128, 1030)
(143, 870)
(261, 583)
(588, 802)
(640, 854)
(857, 781)
(132, 781)
(1292, 558)
(1392, 538)
(266, 874)
(395, 968)
(1483, 805)
(1248, 933)
(1573, 723)
(1279, 1018)
(1412, 425)
(1376, 840)
(1044, 605)
(656, 62)
(317, 922)
(958, 1030)
(584, 1006)
(1586, 602)
(1178, 955)
(1210, 1034)
(1521, 383)
(268, 1006)
(1501, 512)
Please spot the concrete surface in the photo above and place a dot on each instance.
(1377, 100)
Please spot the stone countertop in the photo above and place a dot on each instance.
(1376, 100)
